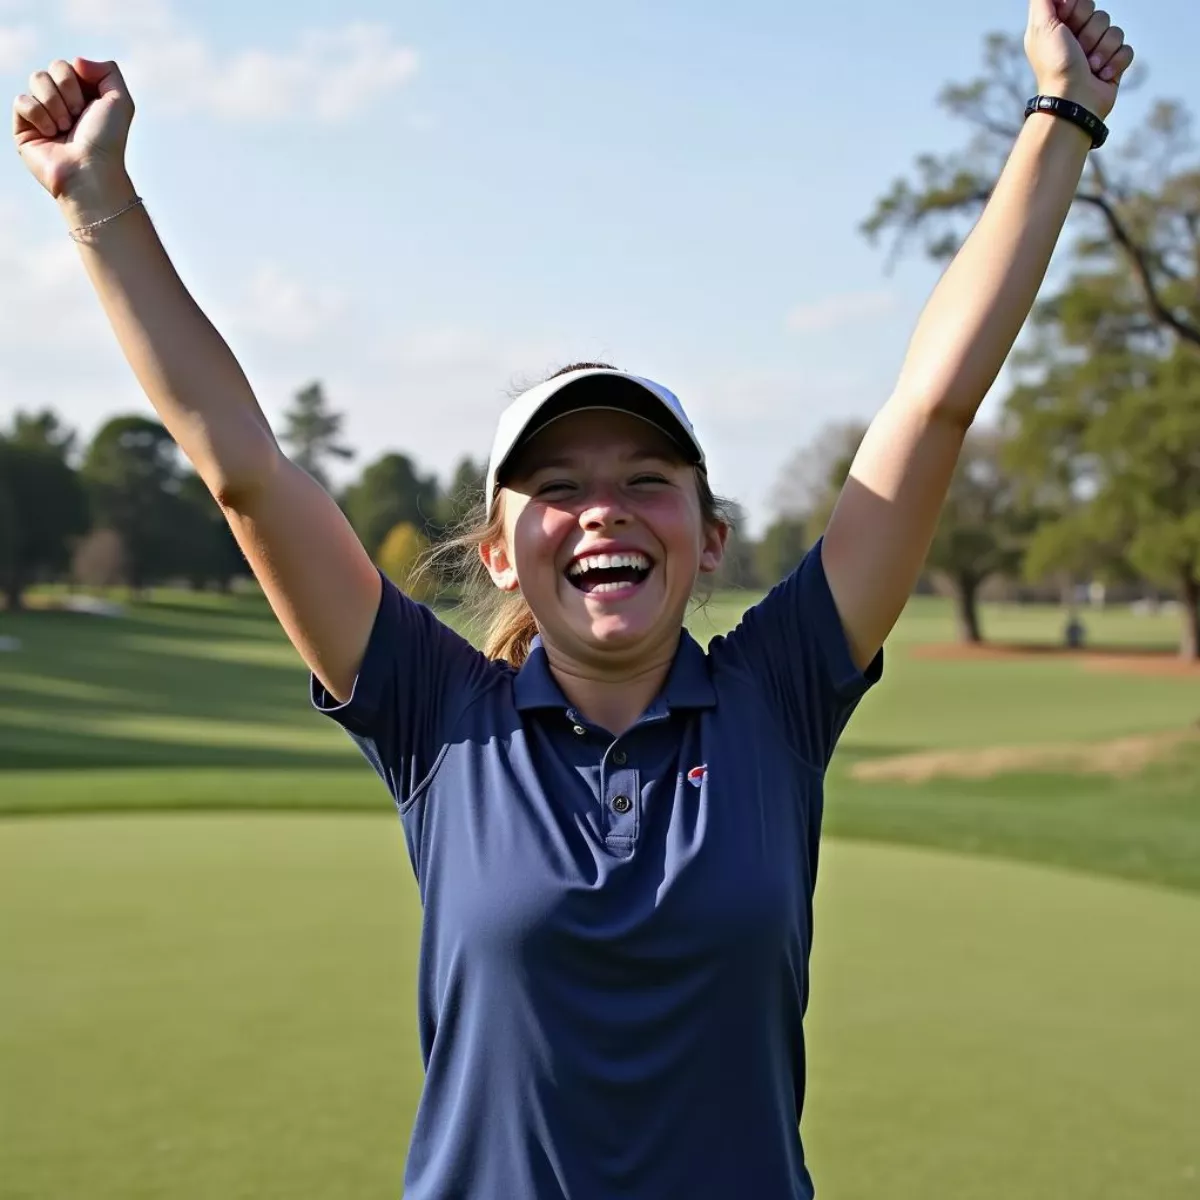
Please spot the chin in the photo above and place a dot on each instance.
(627, 630)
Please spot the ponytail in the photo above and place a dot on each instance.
(510, 631)
(503, 621)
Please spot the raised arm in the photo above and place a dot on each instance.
(881, 529)
(71, 130)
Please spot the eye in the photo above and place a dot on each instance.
(554, 487)
(648, 479)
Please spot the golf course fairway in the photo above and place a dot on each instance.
(224, 1005)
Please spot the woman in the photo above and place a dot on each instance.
(614, 831)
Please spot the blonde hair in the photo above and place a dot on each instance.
(504, 619)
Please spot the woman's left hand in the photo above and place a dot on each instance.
(1077, 53)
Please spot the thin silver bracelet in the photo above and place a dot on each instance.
(78, 233)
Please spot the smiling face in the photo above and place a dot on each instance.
(603, 535)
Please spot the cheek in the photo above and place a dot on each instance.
(538, 534)
(679, 527)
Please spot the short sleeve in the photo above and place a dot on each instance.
(417, 677)
(794, 646)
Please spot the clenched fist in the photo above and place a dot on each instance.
(74, 121)
(1076, 52)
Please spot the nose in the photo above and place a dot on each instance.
(603, 510)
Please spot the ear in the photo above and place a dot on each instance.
(712, 548)
(499, 565)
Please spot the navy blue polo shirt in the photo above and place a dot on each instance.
(616, 931)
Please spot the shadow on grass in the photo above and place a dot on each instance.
(77, 753)
(145, 789)
(209, 687)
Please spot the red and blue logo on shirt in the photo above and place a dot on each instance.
(697, 775)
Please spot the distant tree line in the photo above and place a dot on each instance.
(1090, 476)
(126, 510)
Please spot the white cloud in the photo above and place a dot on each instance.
(152, 17)
(835, 312)
(435, 392)
(116, 16)
(56, 350)
(752, 420)
(43, 293)
(330, 75)
(17, 43)
(282, 308)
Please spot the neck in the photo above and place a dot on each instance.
(613, 697)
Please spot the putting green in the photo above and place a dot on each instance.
(200, 1006)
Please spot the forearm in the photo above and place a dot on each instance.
(183, 364)
(976, 311)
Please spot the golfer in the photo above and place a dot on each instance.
(614, 831)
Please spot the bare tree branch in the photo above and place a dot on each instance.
(1138, 258)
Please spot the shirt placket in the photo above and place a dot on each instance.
(619, 791)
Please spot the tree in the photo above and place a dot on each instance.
(98, 560)
(8, 538)
(133, 475)
(1131, 308)
(807, 488)
(1137, 203)
(462, 496)
(43, 430)
(782, 546)
(399, 558)
(1108, 425)
(390, 492)
(1068, 550)
(207, 552)
(983, 528)
(803, 497)
(312, 433)
(44, 509)
(739, 566)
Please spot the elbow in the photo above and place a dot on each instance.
(243, 473)
(957, 417)
(939, 408)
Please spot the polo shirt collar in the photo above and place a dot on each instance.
(688, 682)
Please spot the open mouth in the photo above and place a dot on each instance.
(600, 574)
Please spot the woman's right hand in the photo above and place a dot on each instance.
(73, 124)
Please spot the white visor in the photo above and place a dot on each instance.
(643, 398)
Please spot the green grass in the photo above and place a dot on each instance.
(197, 702)
(223, 1006)
(1143, 827)
(216, 1003)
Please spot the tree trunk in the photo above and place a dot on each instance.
(1189, 642)
(966, 609)
(14, 592)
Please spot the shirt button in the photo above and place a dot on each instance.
(620, 758)
(621, 804)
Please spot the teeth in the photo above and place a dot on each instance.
(601, 562)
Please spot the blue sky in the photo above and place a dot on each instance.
(424, 205)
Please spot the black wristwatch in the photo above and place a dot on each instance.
(1070, 111)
